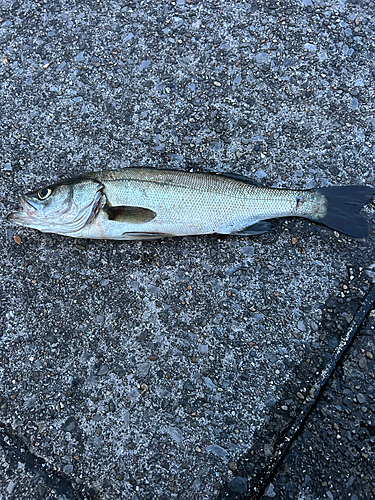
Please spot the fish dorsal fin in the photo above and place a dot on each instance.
(236, 177)
(241, 178)
(135, 215)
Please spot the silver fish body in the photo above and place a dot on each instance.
(145, 203)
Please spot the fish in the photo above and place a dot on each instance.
(147, 203)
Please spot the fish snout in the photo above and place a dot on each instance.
(22, 209)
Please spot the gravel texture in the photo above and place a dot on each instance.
(334, 455)
(155, 370)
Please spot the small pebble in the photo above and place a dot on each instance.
(217, 450)
(260, 174)
(362, 363)
(270, 491)
(238, 485)
(68, 469)
(301, 326)
(354, 103)
(10, 487)
(17, 239)
(261, 57)
(361, 398)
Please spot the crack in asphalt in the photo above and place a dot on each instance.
(16, 450)
(289, 436)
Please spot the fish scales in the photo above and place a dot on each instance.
(146, 203)
(197, 204)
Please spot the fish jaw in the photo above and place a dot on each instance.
(26, 214)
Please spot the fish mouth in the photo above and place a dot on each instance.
(25, 209)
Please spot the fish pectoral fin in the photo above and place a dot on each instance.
(257, 228)
(145, 236)
(135, 215)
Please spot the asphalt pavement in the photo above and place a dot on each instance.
(174, 369)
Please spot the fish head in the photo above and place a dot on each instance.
(61, 208)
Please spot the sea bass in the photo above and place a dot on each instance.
(146, 203)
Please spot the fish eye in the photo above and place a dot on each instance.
(44, 193)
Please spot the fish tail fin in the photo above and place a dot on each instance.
(344, 204)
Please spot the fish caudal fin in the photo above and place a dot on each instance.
(343, 206)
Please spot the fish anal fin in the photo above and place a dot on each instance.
(135, 215)
(257, 228)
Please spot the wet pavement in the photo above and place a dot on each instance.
(175, 368)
